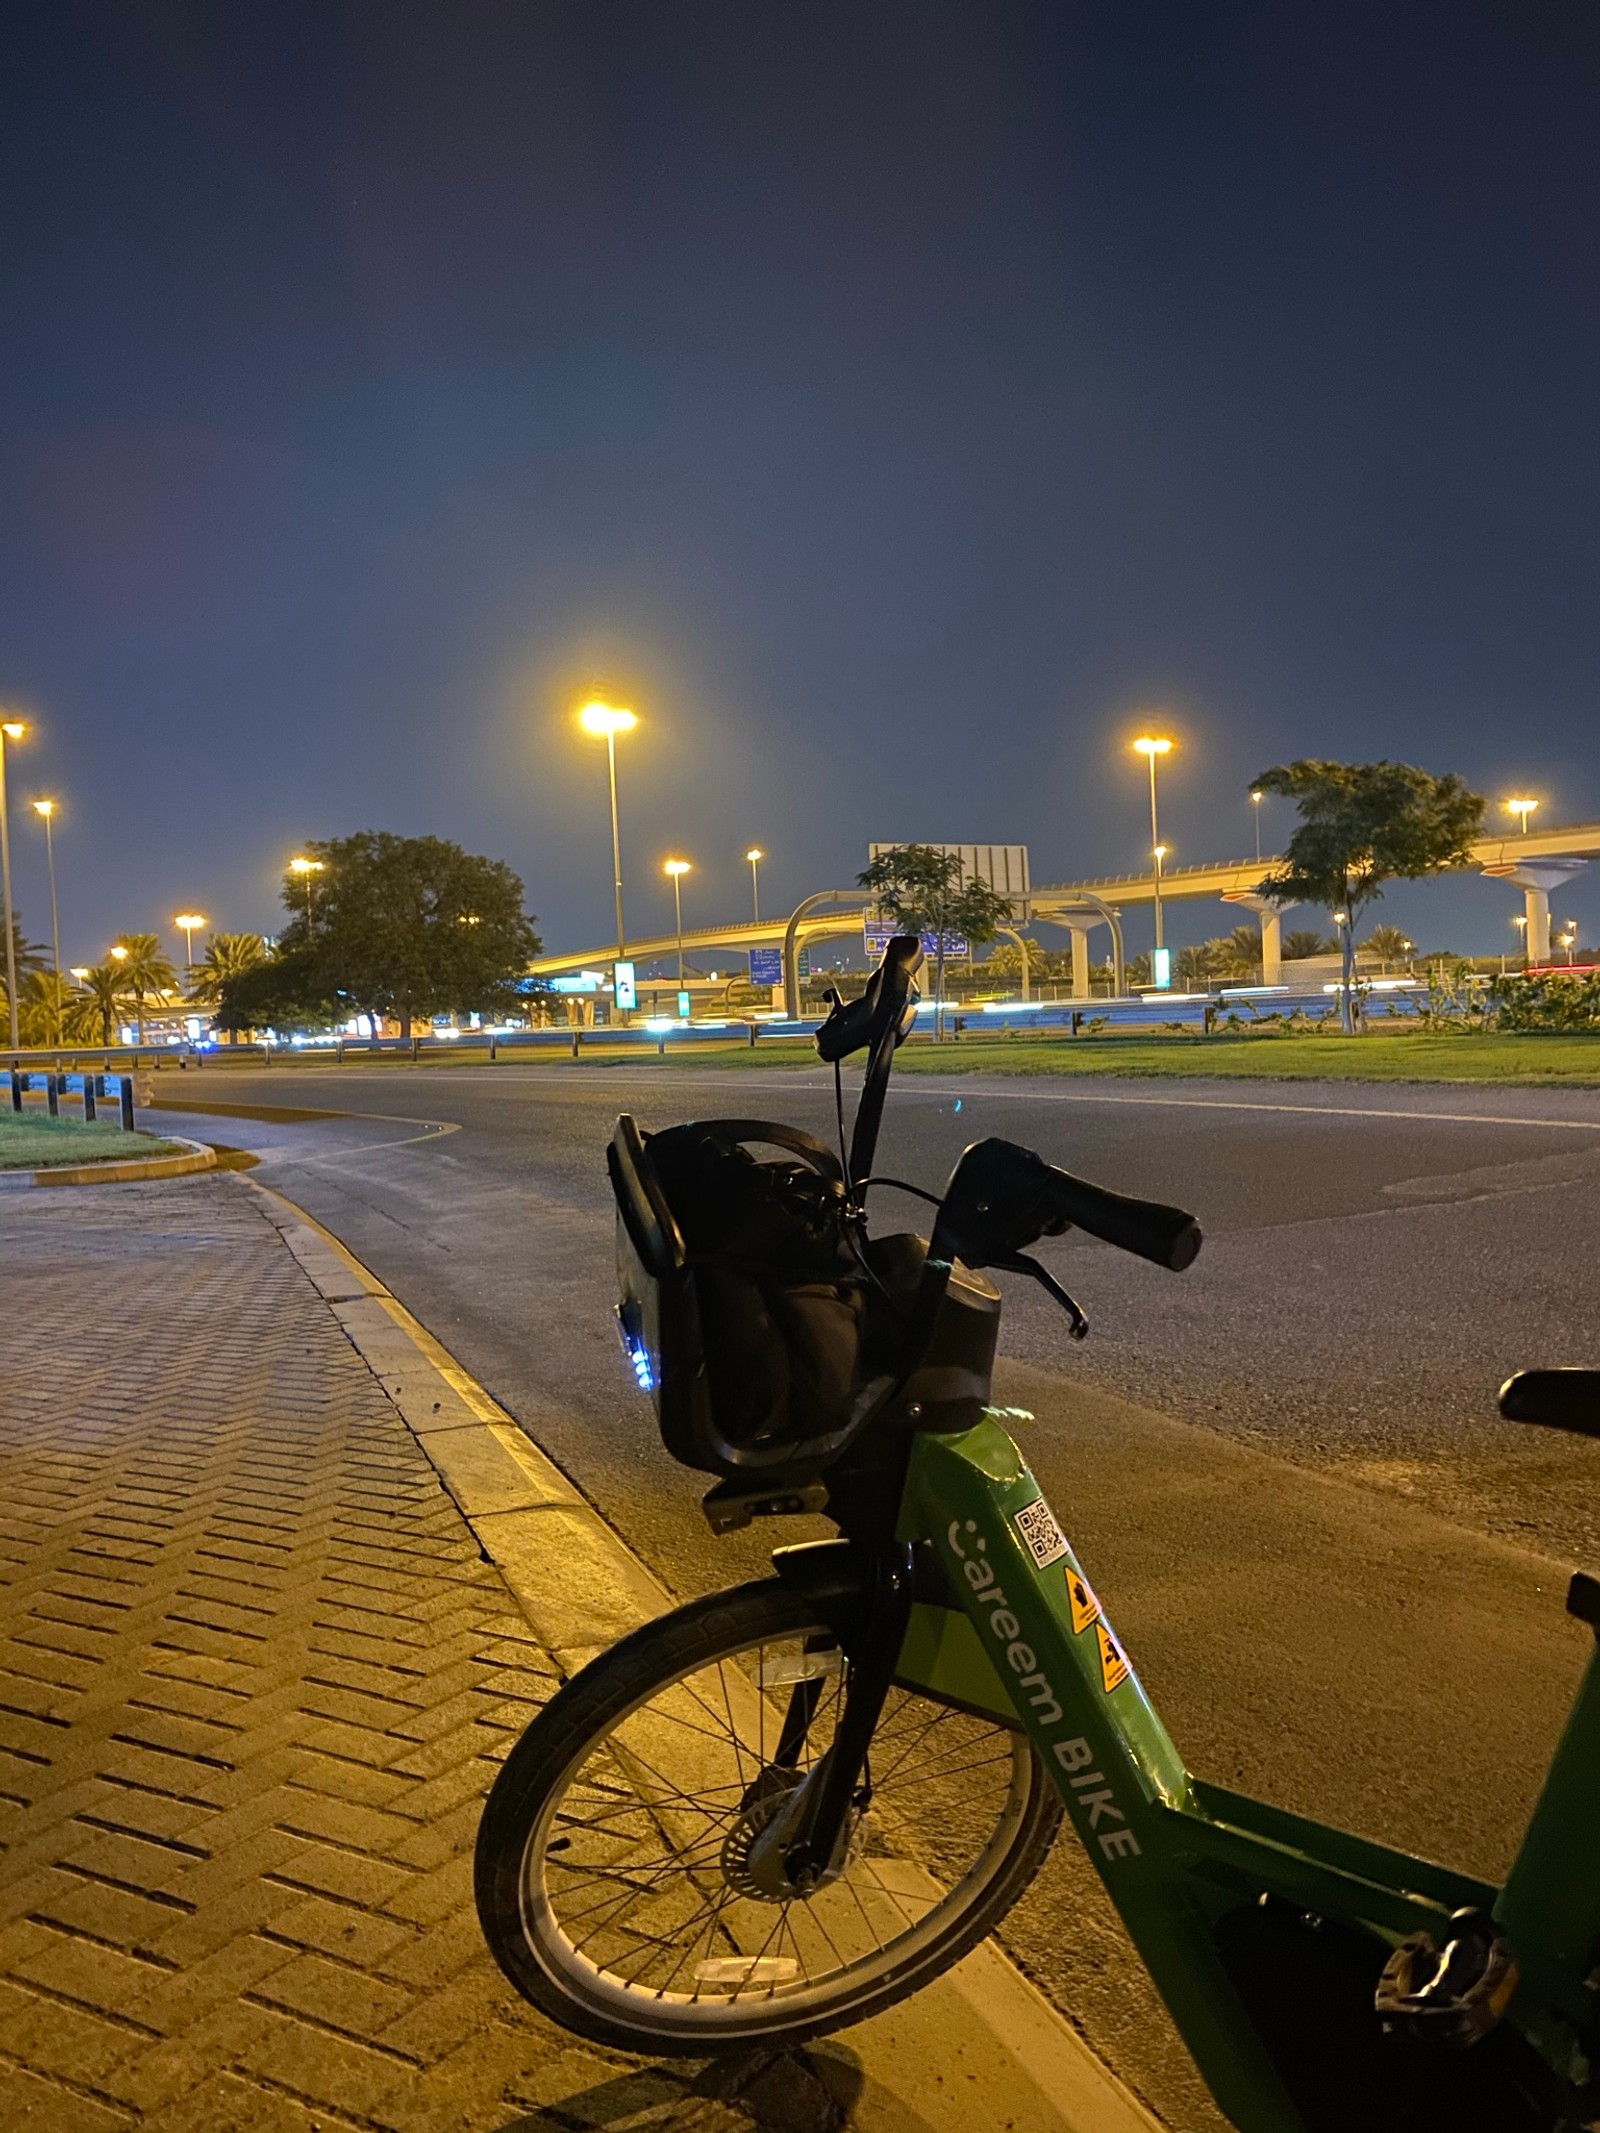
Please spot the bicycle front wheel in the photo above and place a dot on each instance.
(619, 1877)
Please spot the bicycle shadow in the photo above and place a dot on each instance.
(765, 2092)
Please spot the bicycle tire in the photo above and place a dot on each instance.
(583, 1722)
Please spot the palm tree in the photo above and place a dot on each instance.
(147, 972)
(1388, 944)
(41, 1007)
(91, 1013)
(1237, 955)
(1303, 943)
(228, 955)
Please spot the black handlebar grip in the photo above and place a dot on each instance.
(1166, 1236)
(1560, 1399)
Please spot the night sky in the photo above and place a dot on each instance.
(892, 401)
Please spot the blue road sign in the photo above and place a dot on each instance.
(878, 937)
(766, 966)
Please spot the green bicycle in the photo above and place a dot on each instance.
(781, 1808)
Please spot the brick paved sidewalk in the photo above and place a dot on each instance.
(253, 1682)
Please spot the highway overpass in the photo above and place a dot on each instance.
(1536, 864)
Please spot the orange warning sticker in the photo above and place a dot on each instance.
(1113, 1667)
(1085, 1607)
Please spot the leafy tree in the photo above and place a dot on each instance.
(147, 972)
(1305, 941)
(409, 927)
(1362, 825)
(919, 889)
(285, 990)
(92, 1011)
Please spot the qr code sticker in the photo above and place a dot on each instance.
(1046, 1542)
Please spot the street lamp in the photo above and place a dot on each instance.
(1150, 746)
(308, 870)
(1522, 809)
(189, 923)
(677, 868)
(1521, 924)
(1569, 942)
(80, 971)
(1256, 798)
(46, 811)
(610, 720)
(11, 729)
(755, 855)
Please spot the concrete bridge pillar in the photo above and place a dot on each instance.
(1536, 878)
(1080, 962)
(1271, 917)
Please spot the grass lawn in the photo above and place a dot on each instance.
(30, 1143)
(1518, 1061)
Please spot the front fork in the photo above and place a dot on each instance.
(811, 1832)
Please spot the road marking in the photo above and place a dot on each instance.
(775, 1079)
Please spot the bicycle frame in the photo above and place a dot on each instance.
(1177, 1855)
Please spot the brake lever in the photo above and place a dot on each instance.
(1020, 1263)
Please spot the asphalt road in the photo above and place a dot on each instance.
(1338, 1572)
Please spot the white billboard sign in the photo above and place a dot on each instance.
(1003, 866)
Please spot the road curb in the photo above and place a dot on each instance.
(982, 2046)
(136, 1170)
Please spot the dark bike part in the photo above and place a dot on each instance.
(1002, 1198)
(813, 1836)
(816, 1598)
(1020, 1263)
(1583, 1600)
(1451, 1995)
(1558, 1399)
(1307, 1984)
(886, 1009)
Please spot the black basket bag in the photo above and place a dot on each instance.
(743, 1295)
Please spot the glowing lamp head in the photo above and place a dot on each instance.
(1161, 850)
(1522, 809)
(80, 971)
(13, 729)
(755, 852)
(1152, 744)
(189, 921)
(305, 866)
(606, 719)
(676, 867)
(1255, 795)
(119, 954)
(44, 807)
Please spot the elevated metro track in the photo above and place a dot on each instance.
(1552, 853)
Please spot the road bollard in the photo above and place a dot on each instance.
(125, 1099)
(339, 1050)
(88, 1099)
(493, 1051)
(661, 1045)
(575, 1044)
(19, 1083)
(416, 1050)
(753, 1029)
(52, 1094)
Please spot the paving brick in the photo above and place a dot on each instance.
(255, 1680)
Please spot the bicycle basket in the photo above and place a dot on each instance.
(742, 1297)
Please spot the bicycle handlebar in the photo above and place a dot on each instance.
(1001, 1198)
(1560, 1399)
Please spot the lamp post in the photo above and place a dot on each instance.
(1150, 746)
(1255, 809)
(45, 810)
(677, 868)
(11, 729)
(189, 923)
(610, 720)
(308, 870)
(755, 855)
(1521, 924)
(1522, 809)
